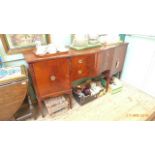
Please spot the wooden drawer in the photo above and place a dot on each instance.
(82, 66)
(52, 76)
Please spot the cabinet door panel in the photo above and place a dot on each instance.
(52, 76)
(105, 60)
(118, 59)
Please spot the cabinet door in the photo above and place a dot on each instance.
(118, 58)
(105, 60)
(82, 66)
(52, 76)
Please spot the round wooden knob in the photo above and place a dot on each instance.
(80, 72)
(52, 78)
(80, 61)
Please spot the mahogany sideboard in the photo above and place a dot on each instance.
(53, 74)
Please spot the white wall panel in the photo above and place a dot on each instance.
(139, 64)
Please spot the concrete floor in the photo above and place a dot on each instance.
(130, 104)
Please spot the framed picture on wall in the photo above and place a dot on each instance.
(16, 43)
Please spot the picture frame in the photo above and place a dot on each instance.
(19, 43)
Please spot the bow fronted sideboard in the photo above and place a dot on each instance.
(53, 74)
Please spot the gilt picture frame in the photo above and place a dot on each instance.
(19, 43)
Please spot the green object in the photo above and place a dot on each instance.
(103, 82)
(78, 82)
(122, 37)
(86, 47)
(114, 91)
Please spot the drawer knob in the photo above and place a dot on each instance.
(80, 72)
(52, 78)
(80, 61)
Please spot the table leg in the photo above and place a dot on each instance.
(41, 108)
(120, 73)
(108, 79)
(70, 101)
(31, 108)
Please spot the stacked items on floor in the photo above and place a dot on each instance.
(115, 85)
(56, 104)
(87, 91)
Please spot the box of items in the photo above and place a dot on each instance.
(87, 92)
(115, 85)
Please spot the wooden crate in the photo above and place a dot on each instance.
(55, 105)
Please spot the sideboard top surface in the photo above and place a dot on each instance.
(30, 56)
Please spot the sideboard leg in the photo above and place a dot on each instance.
(107, 83)
(70, 101)
(108, 79)
(120, 74)
(41, 108)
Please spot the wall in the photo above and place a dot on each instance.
(139, 68)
